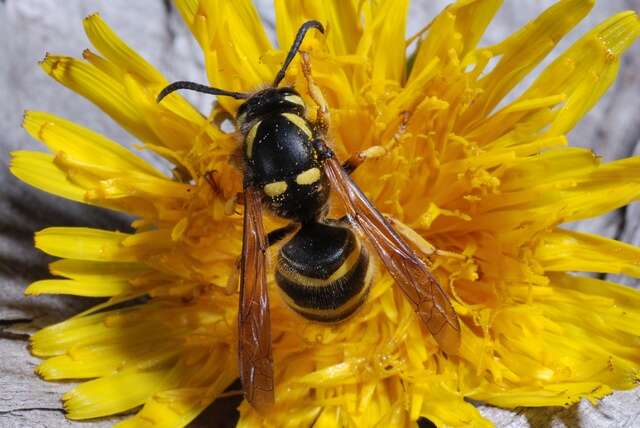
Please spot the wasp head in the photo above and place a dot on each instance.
(269, 101)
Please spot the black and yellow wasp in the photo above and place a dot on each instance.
(324, 269)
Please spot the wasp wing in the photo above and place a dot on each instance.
(412, 275)
(254, 324)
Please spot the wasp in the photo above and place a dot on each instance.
(324, 268)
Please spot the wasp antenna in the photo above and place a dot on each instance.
(192, 86)
(295, 46)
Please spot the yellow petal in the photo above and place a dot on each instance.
(563, 394)
(609, 187)
(39, 170)
(445, 408)
(82, 144)
(234, 65)
(458, 27)
(107, 359)
(343, 29)
(389, 22)
(176, 408)
(102, 90)
(103, 64)
(113, 394)
(122, 63)
(116, 51)
(522, 51)
(472, 19)
(138, 325)
(564, 250)
(84, 244)
(100, 288)
(573, 82)
(620, 296)
(170, 119)
(594, 62)
(188, 9)
(91, 271)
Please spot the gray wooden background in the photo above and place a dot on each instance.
(28, 28)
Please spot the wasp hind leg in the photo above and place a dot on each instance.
(273, 238)
(210, 178)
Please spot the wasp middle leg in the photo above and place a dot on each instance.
(232, 202)
(376, 151)
(273, 238)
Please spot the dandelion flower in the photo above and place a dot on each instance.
(486, 182)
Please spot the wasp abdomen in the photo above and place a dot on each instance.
(324, 272)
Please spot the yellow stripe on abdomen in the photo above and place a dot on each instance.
(331, 299)
(347, 265)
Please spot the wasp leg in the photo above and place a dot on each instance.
(209, 176)
(425, 247)
(231, 204)
(181, 174)
(234, 278)
(322, 115)
(273, 237)
(278, 235)
(374, 152)
(358, 158)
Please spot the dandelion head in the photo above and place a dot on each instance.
(481, 186)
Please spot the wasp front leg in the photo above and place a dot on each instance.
(323, 121)
(322, 114)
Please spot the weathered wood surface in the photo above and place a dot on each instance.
(28, 28)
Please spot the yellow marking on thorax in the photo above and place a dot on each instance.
(307, 281)
(299, 122)
(295, 99)
(275, 189)
(309, 176)
(251, 135)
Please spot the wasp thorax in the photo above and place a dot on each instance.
(269, 101)
(280, 158)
